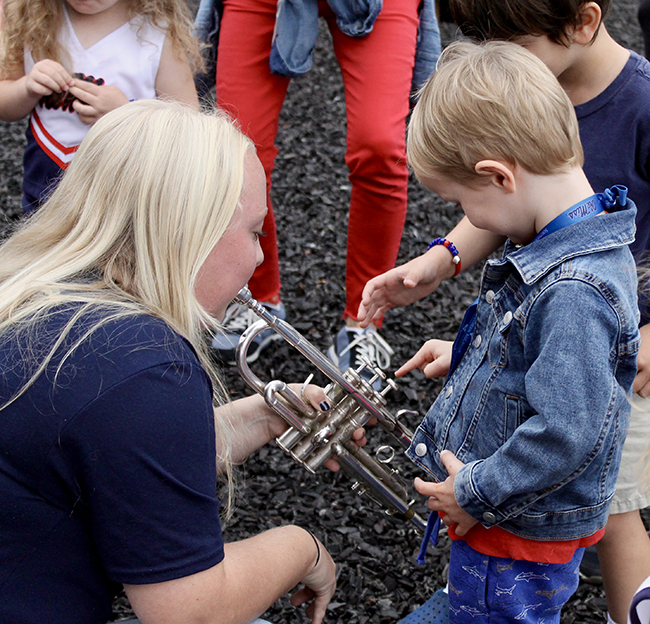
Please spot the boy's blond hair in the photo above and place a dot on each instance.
(494, 101)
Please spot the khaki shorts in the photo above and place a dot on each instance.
(630, 493)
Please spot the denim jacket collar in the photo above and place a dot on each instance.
(536, 259)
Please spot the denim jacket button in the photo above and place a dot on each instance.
(421, 449)
(448, 392)
(507, 317)
(489, 517)
(477, 341)
(489, 296)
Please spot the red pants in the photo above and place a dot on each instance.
(377, 71)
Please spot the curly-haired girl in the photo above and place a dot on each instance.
(68, 62)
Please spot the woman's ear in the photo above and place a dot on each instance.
(499, 173)
(591, 16)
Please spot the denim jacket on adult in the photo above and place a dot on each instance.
(296, 32)
(537, 407)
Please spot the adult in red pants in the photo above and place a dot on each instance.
(377, 71)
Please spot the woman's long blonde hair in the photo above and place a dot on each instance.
(148, 195)
(36, 24)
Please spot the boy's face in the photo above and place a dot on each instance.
(555, 56)
(487, 204)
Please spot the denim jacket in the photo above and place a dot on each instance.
(537, 407)
(296, 31)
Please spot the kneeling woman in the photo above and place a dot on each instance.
(110, 446)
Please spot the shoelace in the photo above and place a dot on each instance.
(238, 318)
(372, 346)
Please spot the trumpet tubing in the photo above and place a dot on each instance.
(314, 437)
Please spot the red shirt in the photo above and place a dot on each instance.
(497, 542)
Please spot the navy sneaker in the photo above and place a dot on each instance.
(353, 345)
(237, 320)
(433, 611)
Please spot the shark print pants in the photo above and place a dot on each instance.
(484, 589)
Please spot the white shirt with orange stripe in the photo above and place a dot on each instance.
(127, 58)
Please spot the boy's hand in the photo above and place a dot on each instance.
(642, 379)
(433, 359)
(46, 78)
(442, 498)
(401, 286)
(94, 101)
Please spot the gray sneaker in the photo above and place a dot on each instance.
(353, 343)
(237, 320)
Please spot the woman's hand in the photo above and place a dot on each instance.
(317, 398)
(253, 574)
(254, 423)
(319, 586)
(312, 394)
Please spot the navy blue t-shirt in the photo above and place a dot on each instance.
(615, 135)
(107, 468)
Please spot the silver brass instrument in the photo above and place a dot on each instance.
(313, 436)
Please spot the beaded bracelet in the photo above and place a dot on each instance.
(455, 257)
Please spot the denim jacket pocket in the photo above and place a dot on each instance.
(512, 410)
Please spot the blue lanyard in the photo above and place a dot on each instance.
(586, 208)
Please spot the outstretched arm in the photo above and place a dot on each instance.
(254, 573)
(420, 277)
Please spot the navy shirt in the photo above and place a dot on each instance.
(615, 135)
(107, 468)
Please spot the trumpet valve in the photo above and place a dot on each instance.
(390, 385)
(322, 437)
(377, 373)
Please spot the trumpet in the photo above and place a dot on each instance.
(313, 437)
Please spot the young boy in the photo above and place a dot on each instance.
(524, 441)
(610, 89)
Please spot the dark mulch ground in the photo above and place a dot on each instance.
(379, 581)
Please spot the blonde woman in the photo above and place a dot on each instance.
(110, 446)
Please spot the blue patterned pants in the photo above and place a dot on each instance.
(492, 590)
